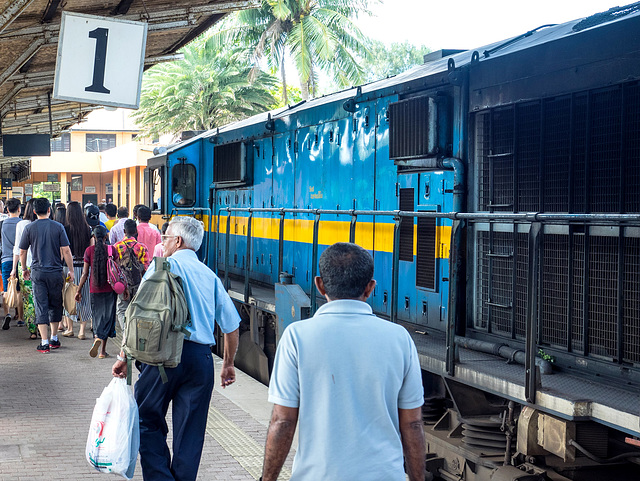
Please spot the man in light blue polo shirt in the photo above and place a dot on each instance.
(351, 380)
(190, 384)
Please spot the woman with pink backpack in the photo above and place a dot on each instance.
(103, 297)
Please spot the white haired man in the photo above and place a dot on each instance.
(189, 384)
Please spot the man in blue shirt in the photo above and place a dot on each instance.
(190, 384)
(351, 380)
(8, 241)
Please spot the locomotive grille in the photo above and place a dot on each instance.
(632, 299)
(555, 279)
(426, 253)
(522, 275)
(557, 152)
(406, 226)
(574, 153)
(412, 128)
(528, 157)
(227, 163)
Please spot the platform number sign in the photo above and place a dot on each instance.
(100, 60)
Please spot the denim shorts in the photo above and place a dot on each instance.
(6, 270)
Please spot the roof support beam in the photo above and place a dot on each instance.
(7, 98)
(51, 10)
(12, 12)
(122, 8)
(22, 59)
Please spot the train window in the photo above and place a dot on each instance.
(183, 185)
(156, 178)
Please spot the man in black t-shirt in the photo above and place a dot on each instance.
(49, 245)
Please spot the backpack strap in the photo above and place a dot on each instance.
(161, 264)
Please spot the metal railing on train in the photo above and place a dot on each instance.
(536, 220)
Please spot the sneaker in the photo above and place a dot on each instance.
(5, 324)
(43, 349)
(20, 324)
(54, 344)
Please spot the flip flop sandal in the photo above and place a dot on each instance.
(96, 346)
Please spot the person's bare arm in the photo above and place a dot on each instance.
(279, 438)
(413, 443)
(23, 263)
(65, 252)
(228, 372)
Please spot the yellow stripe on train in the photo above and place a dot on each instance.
(301, 230)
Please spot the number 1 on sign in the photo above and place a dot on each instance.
(100, 59)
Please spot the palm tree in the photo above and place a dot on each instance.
(315, 34)
(210, 87)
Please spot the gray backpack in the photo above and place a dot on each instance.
(156, 320)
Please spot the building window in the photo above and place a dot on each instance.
(62, 143)
(76, 182)
(100, 142)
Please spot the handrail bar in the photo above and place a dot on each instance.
(490, 216)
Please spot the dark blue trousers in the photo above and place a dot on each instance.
(189, 388)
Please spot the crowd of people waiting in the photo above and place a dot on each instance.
(48, 250)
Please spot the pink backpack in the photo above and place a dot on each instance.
(115, 277)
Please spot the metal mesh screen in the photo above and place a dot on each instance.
(522, 279)
(483, 145)
(604, 151)
(577, 298)
(411, 128)
(482, 282)
(631, 308)
(579, 152)
(603, 295)
(632, 145)
(502, 159)
(501, 282)
(528, 157)
(557, 151)
(555, 281)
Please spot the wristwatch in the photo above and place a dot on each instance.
(120, 358)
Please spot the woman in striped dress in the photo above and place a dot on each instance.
(79, 234)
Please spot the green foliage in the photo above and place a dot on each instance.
(212, 86)
(388, 61)
(314, 34)
(545, 357)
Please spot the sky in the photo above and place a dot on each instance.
(468, 24)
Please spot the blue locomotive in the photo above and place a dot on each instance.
(498, 191)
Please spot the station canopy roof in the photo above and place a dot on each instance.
(29, 31)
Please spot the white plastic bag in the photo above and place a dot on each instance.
(114, 434)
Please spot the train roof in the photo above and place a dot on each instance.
(539, 36)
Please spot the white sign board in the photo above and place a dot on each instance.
(55, 187)
(17, 192)
(108, 188)
(100, 60)
(90, 189)
(28, 189)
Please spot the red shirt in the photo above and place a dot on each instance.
(88, 258)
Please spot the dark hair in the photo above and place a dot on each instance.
(130, 228)
(13, 205)
(123, 212)
(102, 207)
(135, 209)
(165, 226)
(144, 213)
(111, 210)
(346, 269)
(61, 214)
(78, 230)
(29, 214)
(41, 205)
(99, 266)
